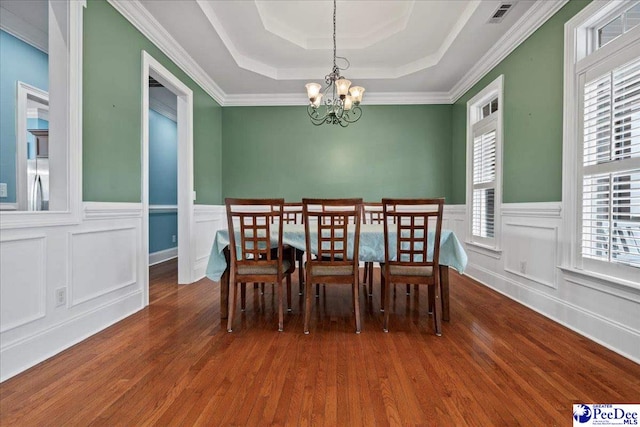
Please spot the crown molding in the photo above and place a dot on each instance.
(406, 98)
(375, 98)
(21, 29)
(140, 18)
(265, 99)
(528, 23)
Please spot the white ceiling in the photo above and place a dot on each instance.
(262, 52)
(28, 20)
(272, 48)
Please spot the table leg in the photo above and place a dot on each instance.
(224, 287)
(444, 291)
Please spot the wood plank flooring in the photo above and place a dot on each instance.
(173, 363)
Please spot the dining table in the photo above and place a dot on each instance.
(371, 249)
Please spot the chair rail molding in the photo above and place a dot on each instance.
(109, 210)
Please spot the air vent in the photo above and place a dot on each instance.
(500, 13)
(154, 83)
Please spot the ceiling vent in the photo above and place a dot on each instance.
(500, 13)
(154, 83)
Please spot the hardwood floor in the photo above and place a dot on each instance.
(173, 363)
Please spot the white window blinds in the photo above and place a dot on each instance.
(611, 167)
(484, 182)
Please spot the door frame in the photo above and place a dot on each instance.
(151, 67)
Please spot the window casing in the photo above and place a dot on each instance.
(601, 154)
(484, 165)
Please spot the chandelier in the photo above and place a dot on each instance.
(341, 104)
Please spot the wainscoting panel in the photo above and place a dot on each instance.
(208, 220)
(63, 282)
(527, 270)
(102, 261)
(532, 249)
(23, 265)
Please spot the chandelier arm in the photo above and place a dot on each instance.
(353, 115)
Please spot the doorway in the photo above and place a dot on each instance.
(163, 174)
(185, 195)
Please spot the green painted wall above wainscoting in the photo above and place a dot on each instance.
(393, 151)
(112, 113)
(532, 142)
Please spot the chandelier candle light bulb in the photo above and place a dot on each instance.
(342, 103)
(356, 94)
(347, 103)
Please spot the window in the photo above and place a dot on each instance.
(601, 157)
(484, 129)
(619, 25)
(611, 166)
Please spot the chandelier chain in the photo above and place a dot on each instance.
(334, 35)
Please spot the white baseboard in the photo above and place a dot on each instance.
(162, 256)
(31, 350)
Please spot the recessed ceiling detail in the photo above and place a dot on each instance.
(286, 40)
(246, 56)
(307, 24)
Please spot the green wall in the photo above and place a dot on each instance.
(393, 151)
(411, 150)
(112, 113)
(532, 143)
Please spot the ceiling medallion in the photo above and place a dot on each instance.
(343, 107)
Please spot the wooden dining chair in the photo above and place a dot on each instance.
(371, 214)
(408, 227)
(329, 223)
(250, 223)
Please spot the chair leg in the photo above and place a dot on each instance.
(356, 303)
(408, 289)
(317, 290)
(243, 296)
(307, 305)
(431, 297)
(262, 288)
(385, 326)
(280, 305)
(288, 292)
(370, 279)
(300, 277)
(366, 271)
(383, 292)
(437, 315)
(232, 304)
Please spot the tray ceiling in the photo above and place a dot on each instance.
(272, 48)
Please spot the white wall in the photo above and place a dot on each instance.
(526, 270)
(99, 264)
